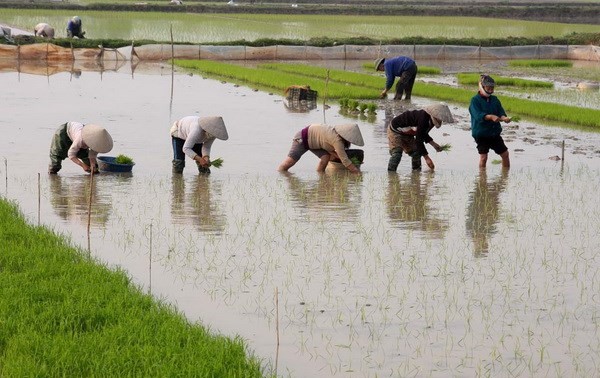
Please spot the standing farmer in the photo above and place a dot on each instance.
(193, 136)
(43, 30)
(326, 142)
(74, 28)
(80, 143)
(409, 131)
(402, 67)
(486, 114)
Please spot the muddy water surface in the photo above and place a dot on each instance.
(455, 272)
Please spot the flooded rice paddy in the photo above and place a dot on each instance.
(455, 272)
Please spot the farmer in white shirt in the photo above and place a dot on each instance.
(80, 143)
(43, 30)
(193, 137)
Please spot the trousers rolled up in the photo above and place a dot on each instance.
(59, 149)
(179, 155)
(406, 81)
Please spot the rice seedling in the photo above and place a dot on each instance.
(540, 63)
(274, 79)
(217, 163)
(124, 159)
(473, 79)
(371, 108)
(515, 119)
(446, 147)
(355, 160)
(362, 107)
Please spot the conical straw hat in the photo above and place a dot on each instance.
(97, 138)
(214, 126)
(439, 113)
(351, 133)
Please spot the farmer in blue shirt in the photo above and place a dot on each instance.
(74, 28)
(402, 67)
(486, 114)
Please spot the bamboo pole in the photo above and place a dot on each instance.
(150, 263)
(277, 328)
(39, 199)
(89, 222)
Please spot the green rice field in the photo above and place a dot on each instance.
(206, 28)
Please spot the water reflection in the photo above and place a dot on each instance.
(299, 106)
(70, 196)
(199, 206)
(408, 204)
(334, 195)
(483, 209)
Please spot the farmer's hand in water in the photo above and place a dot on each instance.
(383, 94)
(429, 162)
(204, 161)
(505, 119)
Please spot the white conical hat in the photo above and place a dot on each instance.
(97, 138)
(439, 113)
(351, 133)
(214, 126)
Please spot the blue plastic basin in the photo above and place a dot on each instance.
(109, 164)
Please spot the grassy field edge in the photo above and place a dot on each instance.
(64, 314)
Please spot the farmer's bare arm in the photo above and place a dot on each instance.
(437, 147)
(80, 163)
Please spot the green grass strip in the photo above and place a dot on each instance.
(473, 79)
(64, 315)
(540, 63)
(365, 86)
(274, 79)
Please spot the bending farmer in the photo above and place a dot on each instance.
(80, 143)
(193, 136)
(402, 67)
(326, 142)
(43, 30)
(486, 114)
(409, 131)
(74, 28)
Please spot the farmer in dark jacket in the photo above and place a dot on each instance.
(486, 114)
(402, 67)
(409, 131)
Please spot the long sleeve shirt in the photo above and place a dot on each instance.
(74, 131)
(415, 123)
(481, 106)
(188, 128)
(394, 67)
(325, 138)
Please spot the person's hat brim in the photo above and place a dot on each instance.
(439, 113)
(97, 138)
(214, 126)
(351, 133)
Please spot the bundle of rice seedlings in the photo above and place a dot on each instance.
(446, 147)
(217, 163)
(123, 159)
(356, 161)
(515, 119)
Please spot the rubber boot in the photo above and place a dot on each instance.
(178, 166)
(395, 157)
(416, 161)
(203, 170)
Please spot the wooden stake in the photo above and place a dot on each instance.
(562, 155)
(150, 263)
(39, 198)
(90, 208)
(277, 327)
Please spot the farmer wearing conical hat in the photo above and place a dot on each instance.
(80, 143)
(402, 67)
(193, 136)
(43, 30)
(327, 143)
(486, 114)
(75, 28)
(409, 131)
